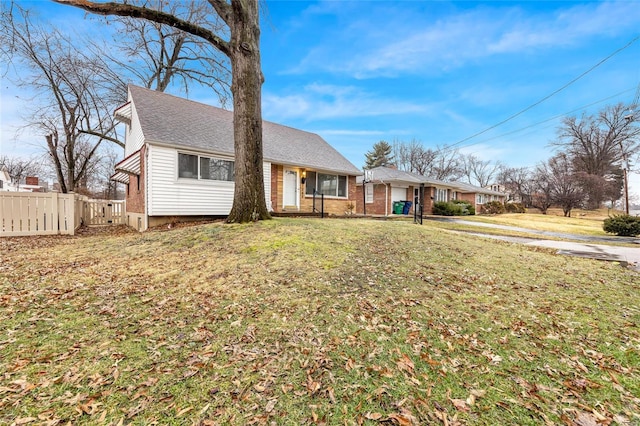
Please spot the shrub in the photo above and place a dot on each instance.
(453, 208)
(466, 209)
(492, 207)
(515, 208)
(442, 208)
(622, 225)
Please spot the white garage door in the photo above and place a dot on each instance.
(399, 194)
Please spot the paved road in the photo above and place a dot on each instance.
(593, 247)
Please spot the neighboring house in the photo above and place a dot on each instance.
(478, 196)
(385, 186)
(179, 161)
(29, 184)
(5, 181)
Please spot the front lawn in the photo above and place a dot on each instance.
(581, 223)
(309, 321)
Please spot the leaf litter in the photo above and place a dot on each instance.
(317, 322)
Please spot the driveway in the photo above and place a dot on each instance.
(592, 247)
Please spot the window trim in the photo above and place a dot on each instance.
(315, 184)
(442, 191)
(198, 177)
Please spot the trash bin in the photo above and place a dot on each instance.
(407, 207)
(397, 207)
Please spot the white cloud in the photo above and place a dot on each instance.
(320, 102)
(420, 45)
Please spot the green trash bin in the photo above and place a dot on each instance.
(397, 207)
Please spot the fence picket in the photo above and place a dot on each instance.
(33, 213)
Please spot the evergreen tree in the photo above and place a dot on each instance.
(380, 155)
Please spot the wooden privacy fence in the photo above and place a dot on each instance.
(33, 213)
(103, 212)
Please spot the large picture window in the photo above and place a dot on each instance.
(441, 194)
(196, 167)
(327, 184)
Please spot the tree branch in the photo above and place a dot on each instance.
(120, 9)
(223, 9)
(100, 135)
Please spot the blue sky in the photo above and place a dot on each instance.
(357, 72)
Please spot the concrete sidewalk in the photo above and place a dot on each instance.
(592, 247)
(626, 256)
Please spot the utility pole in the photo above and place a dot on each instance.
(625, 171)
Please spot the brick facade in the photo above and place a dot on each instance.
(382, 202)
(136, 187)
(332, 205)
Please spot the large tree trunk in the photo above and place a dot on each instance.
(249, 197)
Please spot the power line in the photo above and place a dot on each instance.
(548, 119)
(546, 97)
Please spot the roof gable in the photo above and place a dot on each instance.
(178, 122)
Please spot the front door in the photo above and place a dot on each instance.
(290, 188)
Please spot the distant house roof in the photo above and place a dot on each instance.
(465, 187)
(181, 123)
(390, 175)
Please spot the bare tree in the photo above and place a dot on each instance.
(76, 94)
(517, 182)
(158, 55)
(557, 175)
(598, 144)
(243, 50)
(438, 163)
(542, 191)
(479, 172)
(446, 165)
(412, 156)
(19, 168)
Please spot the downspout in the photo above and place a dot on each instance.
(146, 187)
(386, 199)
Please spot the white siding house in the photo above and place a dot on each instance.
(179, 161)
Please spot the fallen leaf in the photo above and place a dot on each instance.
(585, 419)
(373, 416)
(460, 404)
(270, 405)
(24, 420)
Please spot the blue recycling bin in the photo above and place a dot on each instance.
(407, 207)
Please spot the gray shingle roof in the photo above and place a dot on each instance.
(387, 174)
(174, 121)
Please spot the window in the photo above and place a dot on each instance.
(480, 198)
(330, 185)
(369, 193)
(188, 166)
(441, 194)
(1, 183)
(216, 169)
(196, 167)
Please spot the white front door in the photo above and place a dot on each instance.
(290, 189)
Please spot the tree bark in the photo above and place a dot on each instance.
(249, 196)
(243, 50)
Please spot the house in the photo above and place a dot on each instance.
(385, 186)
(478, 196)
(29, 184)
(5, 181)
(179, 162)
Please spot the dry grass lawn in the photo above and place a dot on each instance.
(308, 321)
(582, 222)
